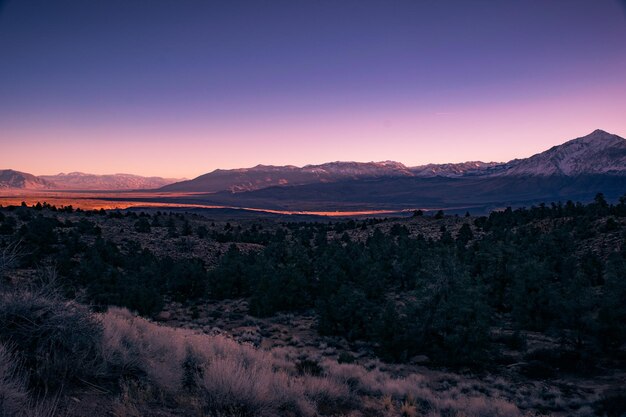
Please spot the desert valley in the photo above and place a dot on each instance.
(278, 208)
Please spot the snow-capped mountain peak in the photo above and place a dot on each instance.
(597, 153)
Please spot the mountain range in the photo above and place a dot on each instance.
(10, 179)
(599, 153)
(575, 170)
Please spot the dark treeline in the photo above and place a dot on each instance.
(414, 295)
(535, 269)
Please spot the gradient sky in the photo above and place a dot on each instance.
(179, 88)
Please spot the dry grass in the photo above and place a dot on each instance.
(13, 393)
(155, 367)
(229, 377)
(420, 395)
(408, 408)
(14, 396)
(9, 256)
(57, 342)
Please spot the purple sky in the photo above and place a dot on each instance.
(179, 88)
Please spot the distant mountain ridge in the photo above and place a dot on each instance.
(453, 169)
(11, 179)
(263, 176)
(599, 153)
(82, 181)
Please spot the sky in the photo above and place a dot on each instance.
(180, 88)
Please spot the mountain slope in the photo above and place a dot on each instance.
(82, 181)
(10, 179)
(453, 169)
(263, 176)
(481, 192)
(597, 153)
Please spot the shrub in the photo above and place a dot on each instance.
(15, 400)
(202, 231)
(8, 225)
(612, 403)
(345, 357)
(57, 342)
(192, 371)
(142, 225)
(13, 394)
(309, 367)
(187, 280)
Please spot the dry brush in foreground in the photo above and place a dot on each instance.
(56, 356)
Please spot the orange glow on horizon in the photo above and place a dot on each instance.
(473, 131)
(93, 202)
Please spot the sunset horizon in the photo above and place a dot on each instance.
(426, 161)
(178, 91)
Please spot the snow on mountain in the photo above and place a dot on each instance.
(453, 169)
(262, 176)
(597, 153)
(354, 170)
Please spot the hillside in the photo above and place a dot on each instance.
(599, 153)
(453, 169)
(10, 179)
(82, 181)
(481, 192)
(263, 176)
